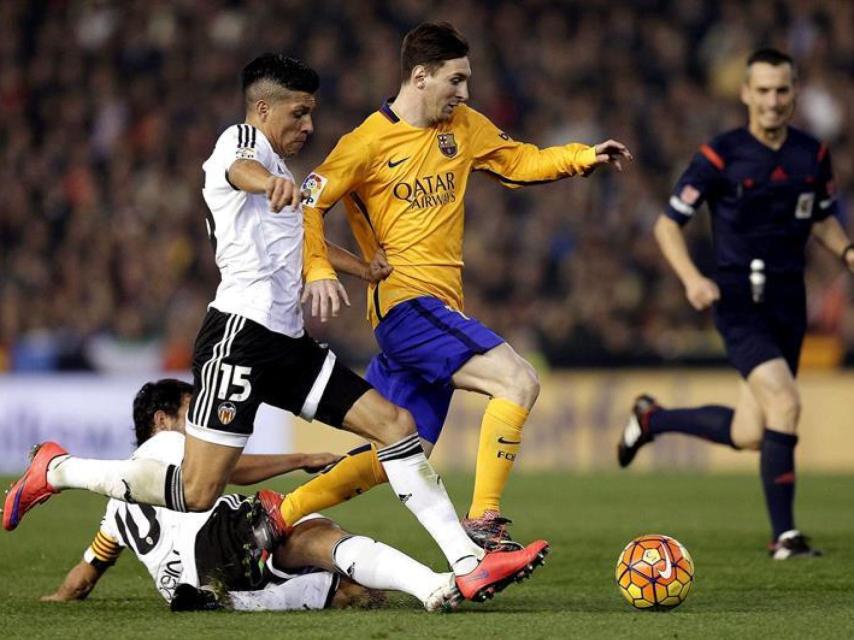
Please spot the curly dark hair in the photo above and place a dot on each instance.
(164, 395)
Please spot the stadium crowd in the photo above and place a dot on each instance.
(109, 109)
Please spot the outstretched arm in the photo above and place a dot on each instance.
(831, 234)
(251, 469)
(251, 176)
(77, 584)
(517, 164)
(700, 291)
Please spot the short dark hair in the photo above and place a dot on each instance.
(774, 57)
(285, 71)
(431, 44)
(164, 395)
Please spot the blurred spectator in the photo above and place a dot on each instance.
(109, 109)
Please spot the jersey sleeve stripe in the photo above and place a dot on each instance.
(681, 207)
(713, 157)
(246, 136)
(822, 151)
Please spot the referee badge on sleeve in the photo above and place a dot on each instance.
(803, 210)
(226, 412)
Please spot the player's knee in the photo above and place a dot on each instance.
(747, 443)
(397, 424)
(521, 383)
(784, 410)
(200, 496)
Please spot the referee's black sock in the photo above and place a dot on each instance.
(711, 422)
(777, 468)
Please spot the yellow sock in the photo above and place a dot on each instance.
(355, 473)
(500, 437)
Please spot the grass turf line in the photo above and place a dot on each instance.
(588, 519)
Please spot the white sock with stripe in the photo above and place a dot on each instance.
(378, 566)
(420, 488)
(135, 480)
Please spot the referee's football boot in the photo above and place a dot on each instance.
(32, 488)
(792, 544)
(636, 432)
(499, 569)
(268, 524)
(490, 532)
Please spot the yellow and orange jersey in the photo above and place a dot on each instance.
(403, 189)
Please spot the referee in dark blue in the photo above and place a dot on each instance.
(769, 187)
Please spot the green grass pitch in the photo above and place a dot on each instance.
(739, 591)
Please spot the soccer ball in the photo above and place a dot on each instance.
(655, 572)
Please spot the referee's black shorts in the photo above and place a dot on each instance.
(755, 333)
(238, 364)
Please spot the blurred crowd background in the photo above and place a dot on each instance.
(110, 108)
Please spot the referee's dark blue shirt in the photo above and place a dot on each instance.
(763, 202)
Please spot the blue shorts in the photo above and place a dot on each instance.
(423, 343)
(755, 333)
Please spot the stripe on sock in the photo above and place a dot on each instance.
(174, 491)
(409, 446)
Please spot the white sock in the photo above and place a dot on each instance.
(378, 566)
(137, 479)
(420, 488)
(310, 591)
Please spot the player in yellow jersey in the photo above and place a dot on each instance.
(402, 175)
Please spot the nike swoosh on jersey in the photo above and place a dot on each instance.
(503, 441)
(393, 163)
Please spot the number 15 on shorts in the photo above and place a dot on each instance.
(234, 375)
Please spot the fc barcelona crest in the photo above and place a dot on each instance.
(226, 412)
(447, 144)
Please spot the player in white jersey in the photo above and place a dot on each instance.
(252, 348)
(231, 546)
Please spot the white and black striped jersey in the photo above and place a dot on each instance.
(163, 540)
(258, 252)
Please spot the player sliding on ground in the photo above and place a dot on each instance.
(253, 348)
(769, 187)
(317, 566)
(402, 175)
